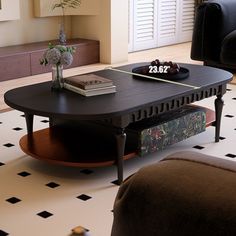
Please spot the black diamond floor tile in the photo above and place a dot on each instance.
(84, 197)
(52, 185)
(86, 171)
(45, 121)
(230, 155)
(3, 233)
(24, 173)
(229, 116)
(0, 122)
(115, 182)
(229, 89)
(17, 129)
(8, 145)
(222, 138)
(198, 147)
(44, 214)
(13, 200)
(22, 115)
(2, 164)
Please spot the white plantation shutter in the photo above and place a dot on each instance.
(186, 20)
(167, 22)
(145, 24)
(130, 25)
(155, 23)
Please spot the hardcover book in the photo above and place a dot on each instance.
(88, 81)
(91, 92)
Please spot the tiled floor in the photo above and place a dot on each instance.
(38, 199)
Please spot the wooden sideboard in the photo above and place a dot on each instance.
(24, 60)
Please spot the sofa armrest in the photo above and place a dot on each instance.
(213, 21)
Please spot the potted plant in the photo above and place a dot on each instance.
(64, 4)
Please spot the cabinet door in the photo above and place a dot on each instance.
(14, 66)
(144, 24)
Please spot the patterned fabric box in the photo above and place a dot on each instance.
(158, 132)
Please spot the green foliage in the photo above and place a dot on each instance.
(47, 57)
(67, 4)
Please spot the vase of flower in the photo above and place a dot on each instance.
(57, 77)
(64, 4)
(58, 56)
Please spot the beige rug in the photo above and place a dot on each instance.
(51, 200)
(234, 80)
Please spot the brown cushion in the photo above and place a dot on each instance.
(177, 196)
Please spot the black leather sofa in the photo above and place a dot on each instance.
(214, 34)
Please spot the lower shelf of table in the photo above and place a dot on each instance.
(80, 145)
(74, 146)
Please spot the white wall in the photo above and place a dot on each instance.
(110, 27)
(119, 31)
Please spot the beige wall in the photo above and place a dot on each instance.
(109, 25)
(119, 31)
(29, 28)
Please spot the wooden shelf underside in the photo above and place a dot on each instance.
(81, 146)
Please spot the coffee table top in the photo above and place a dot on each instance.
(132, 94)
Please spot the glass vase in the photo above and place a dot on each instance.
(62, 34)
(57, 77)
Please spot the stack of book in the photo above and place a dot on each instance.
(89, 85)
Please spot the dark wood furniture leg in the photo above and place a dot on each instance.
(29, 118)
(51, 122)
(218, 112)
(120, 141)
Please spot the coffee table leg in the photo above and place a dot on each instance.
(29, 122)
(120, 141)
(218, 112)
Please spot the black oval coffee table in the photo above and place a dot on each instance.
(90, 131)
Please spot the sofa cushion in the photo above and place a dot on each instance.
(187, 193)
